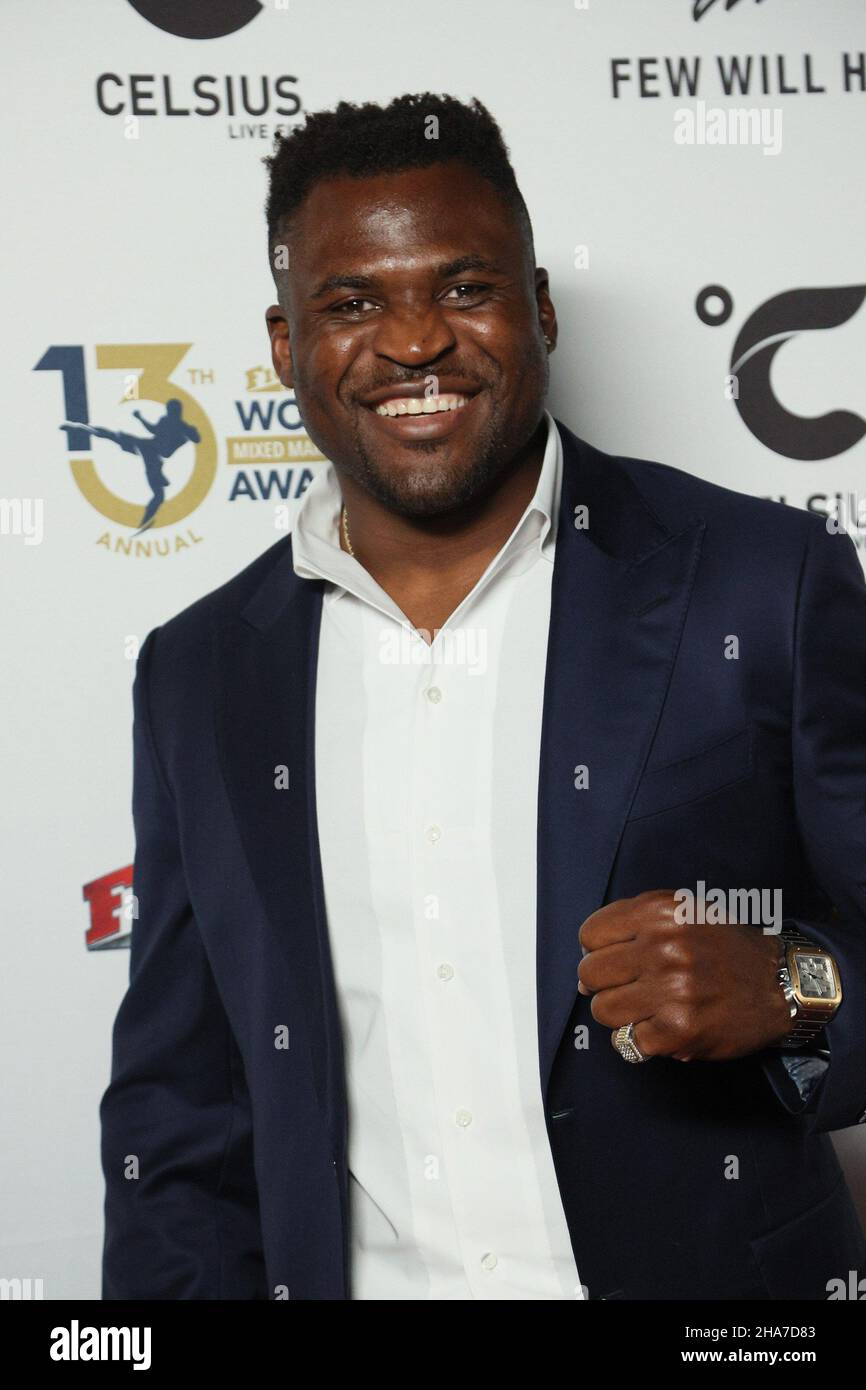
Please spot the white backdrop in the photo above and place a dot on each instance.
(129, 232)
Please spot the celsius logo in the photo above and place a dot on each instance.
(190, 19)
(765, 331)
(700, 7)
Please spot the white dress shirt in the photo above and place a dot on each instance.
(426, 787)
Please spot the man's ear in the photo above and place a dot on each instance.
(281, 349)
(546, 311)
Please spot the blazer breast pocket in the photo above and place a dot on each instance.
(697, 775)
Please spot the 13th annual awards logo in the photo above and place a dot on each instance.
(143, 452)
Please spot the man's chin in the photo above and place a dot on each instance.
(426, 478)
(420, 494)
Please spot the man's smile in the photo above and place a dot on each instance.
(434, 422)
(408, 412)
(416, 405)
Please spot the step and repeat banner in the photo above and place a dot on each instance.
(694, 172)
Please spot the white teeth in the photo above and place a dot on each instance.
(420, 405)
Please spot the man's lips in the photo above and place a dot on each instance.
(418, 416)
(419, 390)
(421, 405)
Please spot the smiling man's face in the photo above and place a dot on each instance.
(414, 282)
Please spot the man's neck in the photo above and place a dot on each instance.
(429, 566)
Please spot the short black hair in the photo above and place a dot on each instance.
(370, 139)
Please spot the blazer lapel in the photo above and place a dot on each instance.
(266, 669)
(621, 589)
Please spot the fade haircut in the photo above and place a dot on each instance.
(361, 141)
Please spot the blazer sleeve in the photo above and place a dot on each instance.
(181, 1209)
(829, 762)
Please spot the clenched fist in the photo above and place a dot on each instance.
(694, 992)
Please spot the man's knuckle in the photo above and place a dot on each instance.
(676, 951)
(600, 1009)
(678, 1021)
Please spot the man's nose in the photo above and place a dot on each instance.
(413, 337)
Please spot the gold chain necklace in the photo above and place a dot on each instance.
(344, 516)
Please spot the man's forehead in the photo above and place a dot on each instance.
(423, 216)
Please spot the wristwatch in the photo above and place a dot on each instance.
(809, 978)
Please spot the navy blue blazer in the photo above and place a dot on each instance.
(225, 1156)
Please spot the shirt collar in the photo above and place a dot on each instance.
(317, 553)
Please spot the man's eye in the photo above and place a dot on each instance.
(347, 305)
(470, 290)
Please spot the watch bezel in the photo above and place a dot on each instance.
(807, 1005)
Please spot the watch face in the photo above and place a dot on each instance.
(817, 980)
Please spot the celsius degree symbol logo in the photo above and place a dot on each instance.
(777, 321)
(198, 19)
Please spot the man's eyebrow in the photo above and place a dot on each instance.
(445, 271)
(342, 282)
(464, 263)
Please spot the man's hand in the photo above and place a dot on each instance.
(695, 993)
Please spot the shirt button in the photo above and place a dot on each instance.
(489, 1261)
(463, 1118)
(434, 834)
(434, 694)
(445, 971)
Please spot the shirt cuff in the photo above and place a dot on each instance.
(796, 1077)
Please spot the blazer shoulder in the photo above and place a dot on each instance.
(184, 640)
(675, 496)
(674, 486)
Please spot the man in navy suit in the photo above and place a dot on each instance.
(499, 834)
